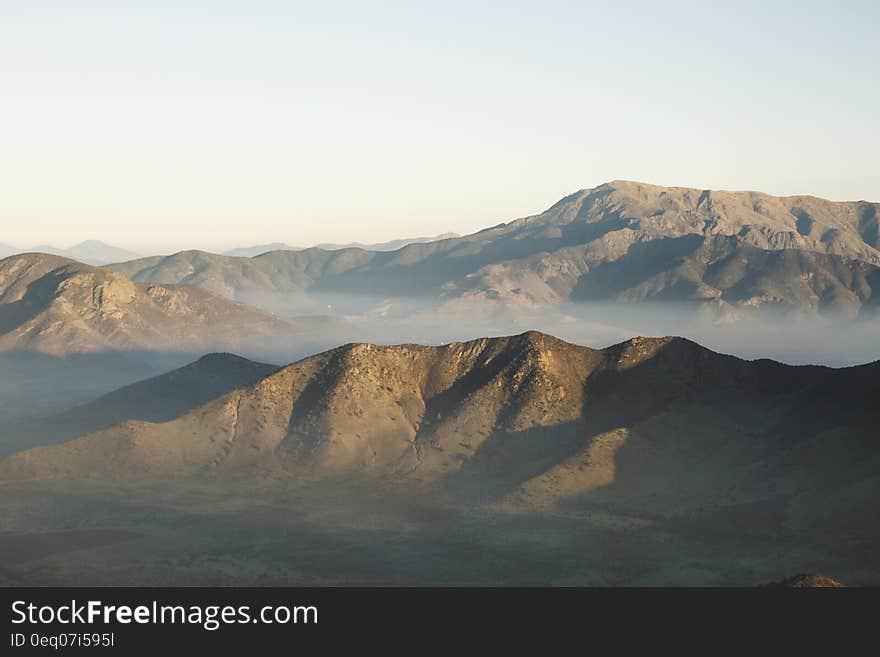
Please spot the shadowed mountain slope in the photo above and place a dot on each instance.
(158, 399)
(621, 241)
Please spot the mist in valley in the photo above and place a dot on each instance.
(785, 335)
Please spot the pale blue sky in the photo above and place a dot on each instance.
(163, 125)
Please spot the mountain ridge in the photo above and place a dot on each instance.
(92, 252)
(391, 245)
(528, 421)
(732, 249)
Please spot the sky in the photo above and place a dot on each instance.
(164, 125)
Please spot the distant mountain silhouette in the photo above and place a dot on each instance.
(392, 245)
(93, 252)
(259, 249)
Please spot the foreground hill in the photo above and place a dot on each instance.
(158, 399)
(58, 306)
(656, 427)
(621, 241)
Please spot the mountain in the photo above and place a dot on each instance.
(158, 399)
(621, 241)
(263, 280)
(92, 252)
(259, 249)
(59, 306)
(95, 252)
(393, 245)
(651, 462)
(653, 427)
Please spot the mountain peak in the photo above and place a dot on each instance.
(537, 340)
(220, 358)
(681, 350)
(222, 364)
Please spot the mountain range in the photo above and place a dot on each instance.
(516, 459)
(621, 241)
(93, 252)
(391, 245)
(657, 426)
